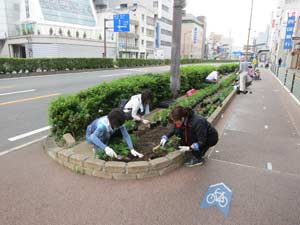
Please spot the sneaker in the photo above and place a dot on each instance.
(194, 162)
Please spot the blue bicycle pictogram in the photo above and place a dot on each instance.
(218, 195)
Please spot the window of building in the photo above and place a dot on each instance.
(143, 29)
(150, 33)
(165, 20)
(166, 32)
(155, 4)
(150, 44)
(165, 43)
(143, 17)
(150, 21)
(165, 8)
(143, 42)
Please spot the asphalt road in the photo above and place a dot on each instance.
(24, 101)
(257, 157)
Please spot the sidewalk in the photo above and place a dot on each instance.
(257, 129)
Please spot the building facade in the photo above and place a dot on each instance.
(192, 37)
(53, 28)
(139, 42)
(162, 18)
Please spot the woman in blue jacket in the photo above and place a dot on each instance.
(101, 130)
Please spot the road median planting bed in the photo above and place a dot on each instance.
(81, 160)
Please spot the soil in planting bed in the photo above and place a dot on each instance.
(146, 140)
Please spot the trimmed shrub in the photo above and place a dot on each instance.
(9, 65)
(72, 113)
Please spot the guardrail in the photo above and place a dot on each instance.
(290, 78)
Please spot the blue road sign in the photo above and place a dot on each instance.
(288, 42)
(121, 23)
(218, 195)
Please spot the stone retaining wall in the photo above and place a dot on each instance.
(84, 164)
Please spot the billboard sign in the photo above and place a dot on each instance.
(288, 40)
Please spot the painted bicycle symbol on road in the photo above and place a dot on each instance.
(217, 196)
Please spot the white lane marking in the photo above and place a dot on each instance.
(222, 116)
(266, 126)
(225, 134)
(113, 75)
(298, 144)
(29, 133)
(276, 90)
(217, 151)
(269, 166)
(21, 146)
(265, 107)
(17, 92)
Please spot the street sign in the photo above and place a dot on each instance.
(218, 195)
(288, 42)
(121, 23)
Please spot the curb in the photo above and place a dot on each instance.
(83, 164)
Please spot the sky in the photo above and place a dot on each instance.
(233, 16)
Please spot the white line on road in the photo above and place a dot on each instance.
(21, 146)
(265, 107)
(17, 92)
(269, 166)
(29, 133)
(266, 126)
(113, 75)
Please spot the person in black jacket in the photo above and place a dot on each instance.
(196, 133)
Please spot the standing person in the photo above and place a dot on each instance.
(243, 76)
(196, 133)
(212, 77)
(139, 105)
(254, 63)
(279, 62)
(101, 130)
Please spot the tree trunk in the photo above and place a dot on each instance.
(176, 42)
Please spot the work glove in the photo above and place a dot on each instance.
(110, 152)
(136, 154)
(163, 140)
(184, 148)
(195, 147)
(145, 121)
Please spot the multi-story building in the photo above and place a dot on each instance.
(52, 28)
(139, 42)
(192, 37)
(290, 56)
(163, 14)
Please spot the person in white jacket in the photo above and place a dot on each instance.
(139, 105)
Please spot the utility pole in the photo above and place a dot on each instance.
(247, 47)
(175, 54)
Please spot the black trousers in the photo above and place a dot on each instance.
(211, 141)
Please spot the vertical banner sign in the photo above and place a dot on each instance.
(157, 35)
(195, 35)
(288, 42)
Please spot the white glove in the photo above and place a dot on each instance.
(145, 121)
(163, 141)
(136, 154)
(184, 148)
(110, 152)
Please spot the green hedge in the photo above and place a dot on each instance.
(193, 61)
(141, 62)
(72, 113)
(9, 65)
